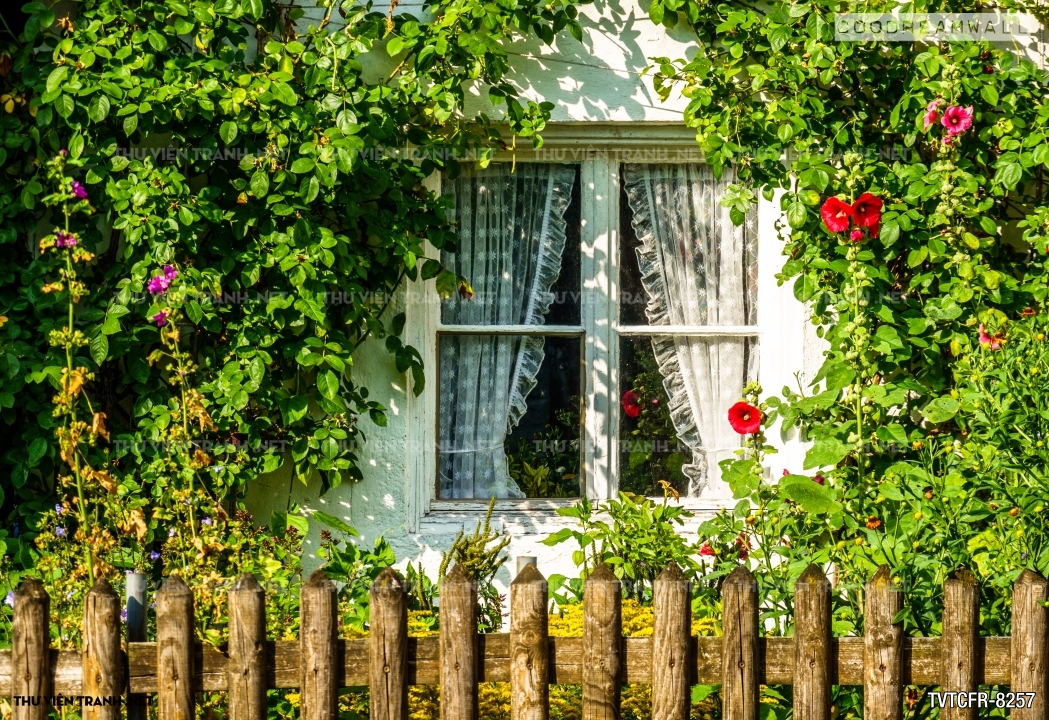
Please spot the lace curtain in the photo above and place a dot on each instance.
(511, 237)
(697, 269)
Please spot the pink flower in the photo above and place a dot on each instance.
(931, 113)
(957, 119)
(836, 214)
(856, 235)
(631, 403)
(706, 551)
(991, 342)
(819, 480)
(170, 272)
(79, 191)
(161, 318)
(158, 284)
(64, 239)
(786, 472)
(63, 152)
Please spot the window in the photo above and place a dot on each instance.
(615, 320)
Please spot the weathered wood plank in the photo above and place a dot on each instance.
(883, 659)
(389, 647)
(812, 646)
(602, 644)
(961, 629)
(30, 651)
(530, 653)
(246, 667)
(103, 663)
(1029, 635)
(318, 626)
(458, 646)
(175, 685)
(740, 658)
(671, 643)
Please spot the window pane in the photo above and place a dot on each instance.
(673, 416)
(509, 422)
(518, 245)
(681, 259)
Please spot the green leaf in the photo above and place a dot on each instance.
(299, 523)
(228, 132)
(655, 11)
(335, 523)
(395, 46)
(98, 108)
(37, 450)
(827, 452)
(65, 105)
(809, 494)
(328, 384)
(260, 183)
(303, 165)
(797, 213)
(57, 77)
(740, 476)
(99, 347)
(294, 408)
(941, 410)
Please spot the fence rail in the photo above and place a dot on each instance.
(883, 661)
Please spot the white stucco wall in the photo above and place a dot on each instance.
(595, 81)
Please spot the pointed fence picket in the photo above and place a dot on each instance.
(884, 661)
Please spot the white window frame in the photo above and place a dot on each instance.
(786, 342)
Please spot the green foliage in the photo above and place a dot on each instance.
(547, 465)
(482, 556)
(265, 178)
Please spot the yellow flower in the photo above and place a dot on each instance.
(3, 319)
(293, 698)
(918, 515)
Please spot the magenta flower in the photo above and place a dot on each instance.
(64, 239)
(991, 342)
(931, 113)
(158, 284)
(161, 318)
(170, 272)
(957, 119)
(79, 191)
(63, 152)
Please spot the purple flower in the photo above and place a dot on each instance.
(154, 556)
(64, 239)
(158, 284)
(79, 191)
(60, 532)
(10, 599)
(161, 318)
(123, 615)
(59, 509)
(170, 272)
(205, 520)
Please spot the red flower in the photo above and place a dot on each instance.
(836, 214)
(743, 546)
(631, 403)
(819, 479)
(744, 418)
(957, 119)
(867, 211)
(706, 550)
(856, 235)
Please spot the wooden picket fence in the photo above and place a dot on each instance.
(883, 661)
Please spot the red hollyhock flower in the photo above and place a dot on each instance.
(743, 546)
(819, 479)
(867, 210)
(631, 403)
(706, 550)
(837, 214)
(744, 418)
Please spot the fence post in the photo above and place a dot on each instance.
(739, 657)
(246, 672)
(671, 642)
(103, 664)
(602, 644)
(135, 594)
(175, 689)
(812, 645)
(458, 646)
(31, 649)
(389, 647)
(1028, 644)
(961, 630)
(318, 625)
(529, 647)
(882, 650)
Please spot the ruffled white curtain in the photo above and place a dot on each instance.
(697, 269)
(511, 238)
